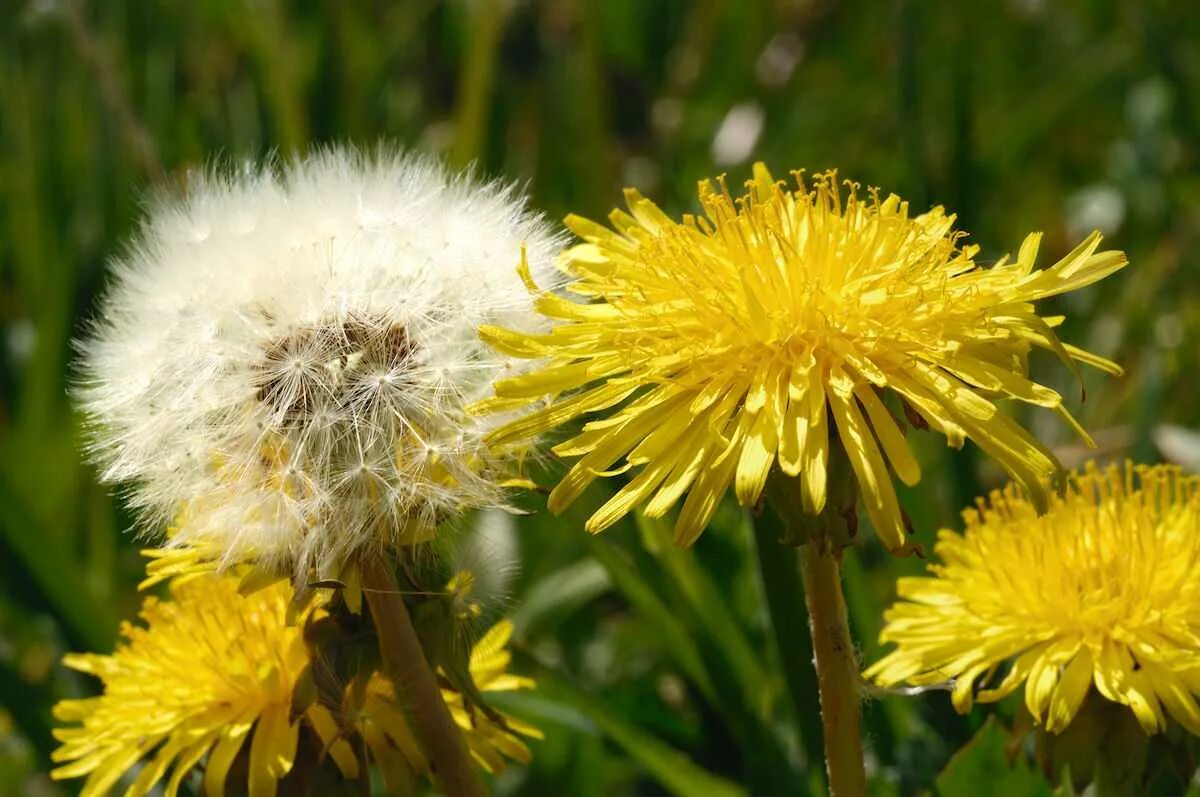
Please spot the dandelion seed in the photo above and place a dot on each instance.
(281, 365)
(708, 351)
(1102, 591)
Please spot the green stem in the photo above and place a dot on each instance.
(823, 538)
(837, 672)
(405, 664)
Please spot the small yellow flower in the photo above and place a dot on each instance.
(490, 738)
(209, 673)
(212, 677)
(1103, 590)
(717, 347)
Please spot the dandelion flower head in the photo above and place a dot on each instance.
(723, 345)
(1101, 591)
(209, 673)
(210, 678)
(282, 363)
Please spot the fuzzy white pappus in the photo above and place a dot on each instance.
(281, 365)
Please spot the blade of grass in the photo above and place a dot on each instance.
(711, 610)
(673, 769)
(677, 639)
(476, 77)
(780, 570)
(748, 689)
(89, 621)
(559, 594)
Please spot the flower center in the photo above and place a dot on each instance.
(348, 428)
(333, 368)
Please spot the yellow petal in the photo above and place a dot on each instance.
(793, 428)
(153, 771)
(874, 482)
(109, 772)
(559, 412)
(992, 377)
(631, 494)
(1079, 268)
(559, 378)
(705, 495)
(1017, 674)
(1176, 696)
(611, 446)
(757, 457)
(890, 436)
(398, 772)
(815, 459)
(222, 757)
(961, 697)
(323, 724)
(1072, 689)
(272, 750)
(761, 438)
(187, 763)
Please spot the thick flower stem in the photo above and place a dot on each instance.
(837, 673)
(405, 664)
(822, 538)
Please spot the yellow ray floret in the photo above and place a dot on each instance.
(1101, 591)
(210, 673)
(211, 679)
(711, 350)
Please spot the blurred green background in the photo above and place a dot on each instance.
(661, 670)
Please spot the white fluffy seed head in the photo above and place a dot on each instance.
(282, 363)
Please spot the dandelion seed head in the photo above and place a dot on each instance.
(281, 364)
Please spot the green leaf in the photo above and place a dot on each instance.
(981, 768)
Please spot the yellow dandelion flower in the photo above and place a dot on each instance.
(491, 736)
(212, 676)
(1103, 590)
(720, 345)
(210, 673)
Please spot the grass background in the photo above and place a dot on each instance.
(661, 670)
